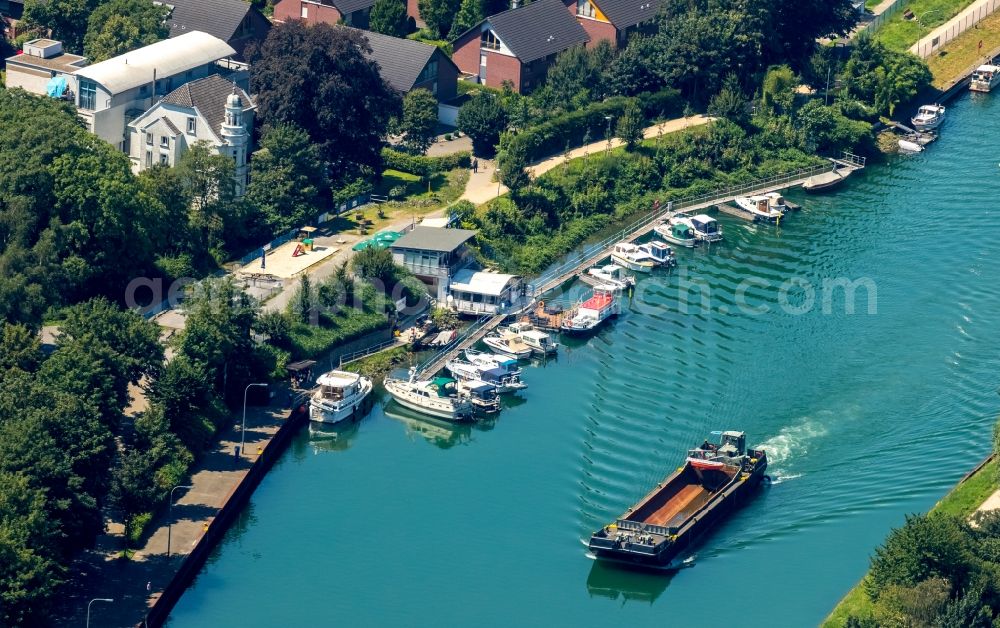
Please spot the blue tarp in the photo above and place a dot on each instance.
(56, 86)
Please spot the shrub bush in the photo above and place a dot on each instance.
(422, 165)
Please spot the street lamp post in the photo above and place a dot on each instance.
(243, 428)
(96, 599)
(607, 136)
(170, 513)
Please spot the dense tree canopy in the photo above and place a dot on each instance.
(321, 79)
(482, 118)
(118, 26)
(388, 17)
(438, 14)
(287, 178)
(67, 19)
(418, 125)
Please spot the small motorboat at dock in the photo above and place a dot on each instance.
(714, 480)
(679, 234)
(483, 396)
(603, 303)
(630, 256)
(506, 343)
(339, 396)
(608, 275)
(659, 253)
(761, 207)
(985, 78)
(436, 397)
(928, 118)
(540, 342)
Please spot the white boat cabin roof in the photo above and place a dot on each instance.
(338, 379)
(988, 68)
(481, 282)
(703, 218)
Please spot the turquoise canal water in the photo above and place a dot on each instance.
(866, 417)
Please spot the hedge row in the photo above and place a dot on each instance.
(425, 166)
(552, 136)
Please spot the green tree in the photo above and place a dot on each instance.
(420, 120)
(883, 78)
(287, 179)
(215, 215)
(512, 162)
(302, 307)
(133, 487)
(629, 126)
(438, 14)
(729, 103)
(778, 89)
(388, 17)
(470, 13)
(19, 349)
(184, 395)
(67, 19)
(376, 265)
(118, 26)
(926, 546)
(576, 77)
(827, 130)
(482, 119)
(323, 79)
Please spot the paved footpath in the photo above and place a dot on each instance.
(100, 573)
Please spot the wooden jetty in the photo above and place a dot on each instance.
(600, 251)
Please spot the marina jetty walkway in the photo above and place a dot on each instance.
(145, 588)
(579, 261)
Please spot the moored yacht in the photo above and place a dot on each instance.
(760, 207)
(704, 227)
(339, 396)
(985, 78)
(539, 341)
(929, 117)
(609, 275)
(436, 397)
(659, 252)
(487, 360)
(506, 343)
(630, 256)
(680, 234)
(482, 395)
(602, 304)
(494, 376)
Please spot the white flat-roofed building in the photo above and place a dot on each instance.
(482, 292)
(41, 61)
(112, 93)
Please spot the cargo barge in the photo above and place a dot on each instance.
(714, 480)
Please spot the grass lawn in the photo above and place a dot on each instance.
(899, 33)
(962, 53)
(961, 501)
(871, 4)
(416, 200)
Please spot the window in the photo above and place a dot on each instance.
(585, 8)
(88, 95)
(149, 139)
(305, 12)
(149, 159)
(191, 126)
(164, 141)
(489, 40)
(164, 160)
(429, 72)
(482, 60)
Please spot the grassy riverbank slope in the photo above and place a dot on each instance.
(899, 33)
(963, 53)
(961, 501)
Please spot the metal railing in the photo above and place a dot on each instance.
(347, 358)
(540, 284)
(469, 331)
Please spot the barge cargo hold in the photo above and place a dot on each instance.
(715, 479)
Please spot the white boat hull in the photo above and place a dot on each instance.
(456, 412)
(910, 147)
(321, 411)
(639, 267)
(669, 238)
(502, 349)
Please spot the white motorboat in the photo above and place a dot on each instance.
(539, 341)
(659, 252)
(909, 146)
(680, 234)
(610, 275)
(506, 343)
(340, 395)
(603, 303)
(985, 78)
(482, 395)
(436, 397)
(760, 207)
(778, 201)
(630, 256)
(929, 117)
(487, 360)
(705, 228)
(494, 376)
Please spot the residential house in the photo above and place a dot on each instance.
(479, 292)
(614, 20)
(434, 255)
(41, 66)
(406, 65)
(112, 93)
(347, 12)
(210, 109)
(518, 45)
(235, 22)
